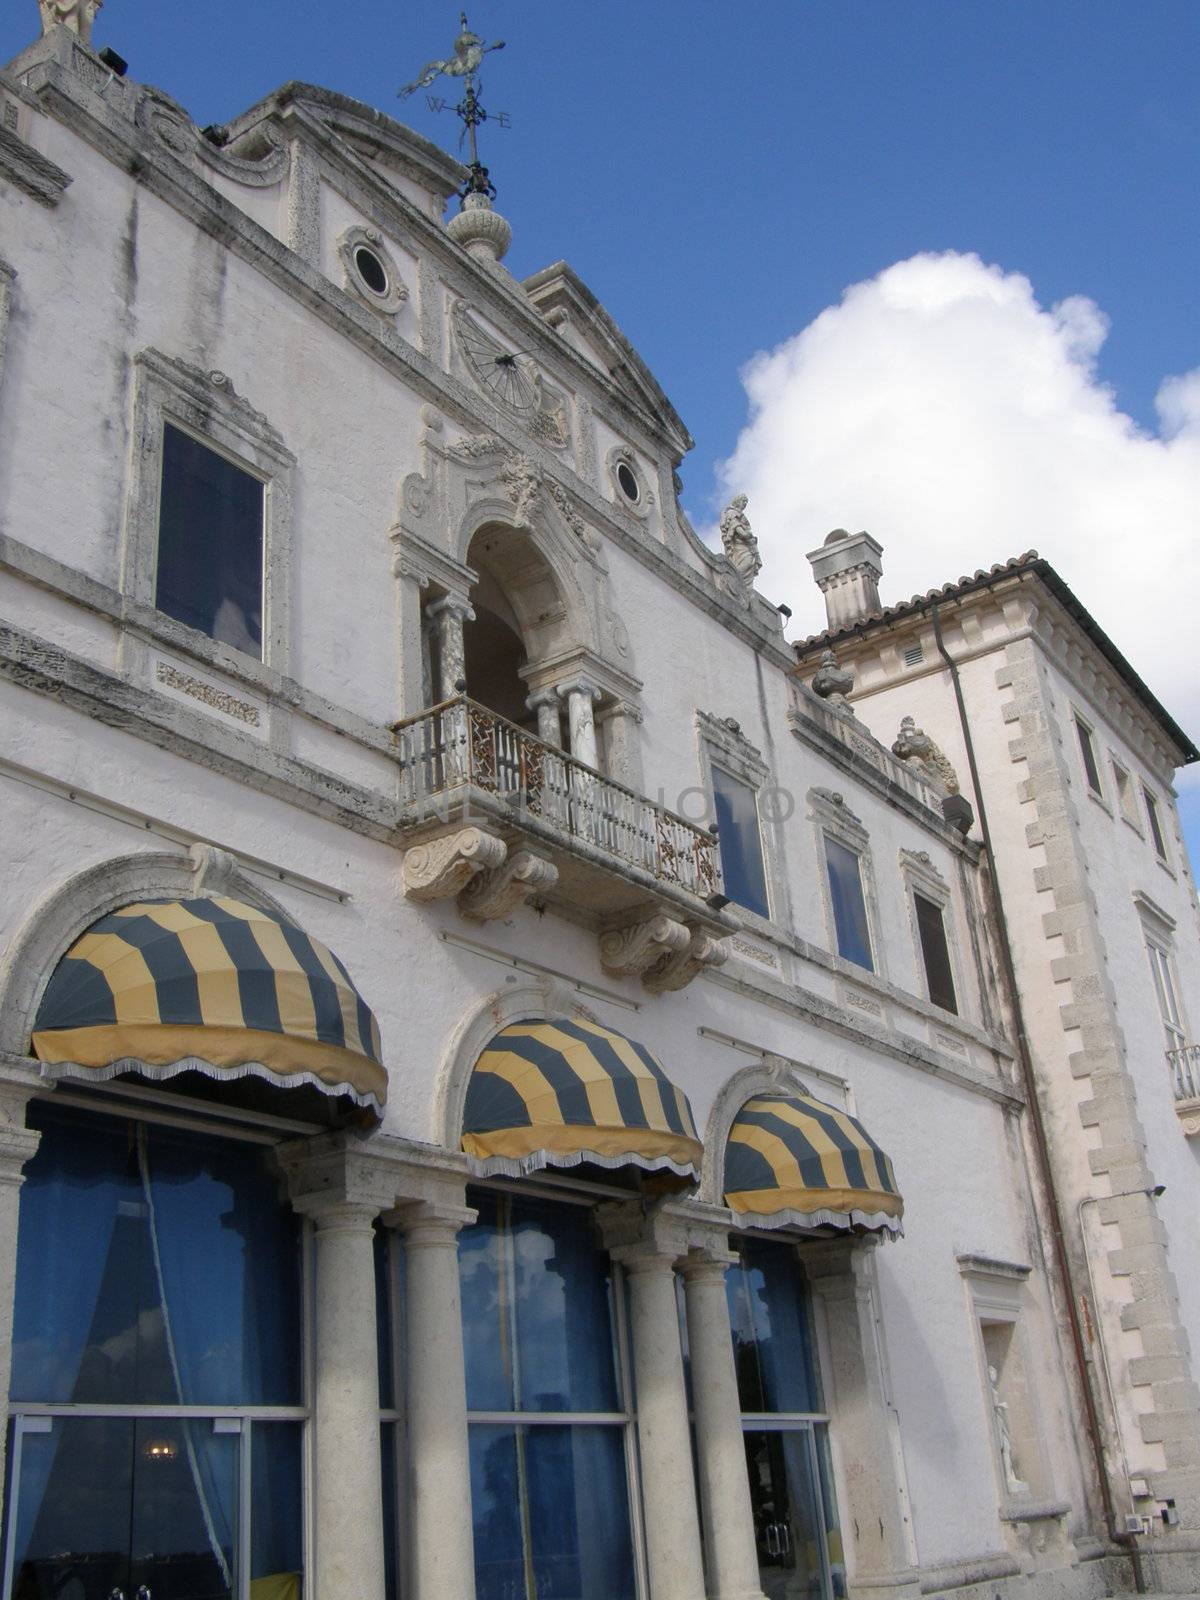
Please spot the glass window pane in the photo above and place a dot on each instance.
(772, 1346)
(1087, 751)
(537, 1308)
(932, 928)
(787, 1520)
(849, 906)
(834, 1549)
(1156, 834)
(384, 1291)
(551, 1513)
(740, 842)
(276, 1507)
(210, 543)
(153, 1267)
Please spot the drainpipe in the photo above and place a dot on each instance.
(1041, 1144)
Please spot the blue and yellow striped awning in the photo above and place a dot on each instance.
(556, 1094)
(792, 1161)
(214, 986)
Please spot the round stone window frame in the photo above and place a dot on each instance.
(394, 294)
(622, 456)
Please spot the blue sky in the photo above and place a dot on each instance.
(721, 171)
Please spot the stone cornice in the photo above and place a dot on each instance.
(31, 172)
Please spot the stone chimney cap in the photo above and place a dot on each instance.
(841, 551)
(837, 535)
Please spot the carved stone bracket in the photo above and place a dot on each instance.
(498, 891)
(631, 951)
(443, 867)
(676, 971)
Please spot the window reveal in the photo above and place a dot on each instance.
(844, 868)
(935, 953)
(210, 543)
(740, 841)
(1087, 751)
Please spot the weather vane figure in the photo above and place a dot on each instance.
(469, 51)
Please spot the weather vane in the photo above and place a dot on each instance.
(469, 51)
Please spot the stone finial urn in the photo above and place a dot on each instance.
(833, 683)
(479, 229)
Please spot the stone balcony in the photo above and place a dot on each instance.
(1185, 1080)
(493, 816)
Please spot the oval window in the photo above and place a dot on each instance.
(630, 487)
(371, 270)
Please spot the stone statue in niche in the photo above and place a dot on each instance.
(1012, 1481)
(833, 683)
(741, 547)
(914, 745)
(78, 15)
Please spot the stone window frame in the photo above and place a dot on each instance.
(921, 876)
(205, 406)
(832, 818)
(1126, 791)
(395, 295)
(1085, 728)
(1154, 807)
(723, 744)
(997, 1294)
(1158, 935)
(622, 455)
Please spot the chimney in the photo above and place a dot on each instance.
(848, 569)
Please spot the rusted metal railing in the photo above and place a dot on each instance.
(460, 742)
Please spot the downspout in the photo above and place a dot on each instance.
(1037, 1122)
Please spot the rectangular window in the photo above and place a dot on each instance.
(1088, 751)
(1125, 797)
(935, 953)
(549, 1415)
(210, 543)
(849, 903)
(1168, 999)
(1156, 833)
(738, 834)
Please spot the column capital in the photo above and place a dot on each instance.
(332, 1213)
(546, 696)
(641, 1239)
(707, 1265)
(580, 686)
(429, 1222)
(451, 605)
(20, 1080)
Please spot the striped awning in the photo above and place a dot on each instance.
(213, 986)
(792, 1161)
(557, 1094)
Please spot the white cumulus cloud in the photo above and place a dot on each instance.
(943, 409)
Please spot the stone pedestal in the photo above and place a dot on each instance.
(441, 1546)
(720, 1448)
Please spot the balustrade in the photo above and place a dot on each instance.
(460, 744)
(1185, 1071)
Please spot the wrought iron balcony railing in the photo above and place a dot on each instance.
(460, 744)
(1185, 1071)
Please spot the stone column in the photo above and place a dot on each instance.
(415, 686)
(664, 1441)
(622, 745)
(545, 702)
(581, 696)
(448, 615)
(875, 1519)
(441, 1541)
(19, 1081)
(720, 1447)
(347, 1492)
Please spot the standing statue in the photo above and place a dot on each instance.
(741, 547)
(78, 15)
(1012, 1482)
(469, 51)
